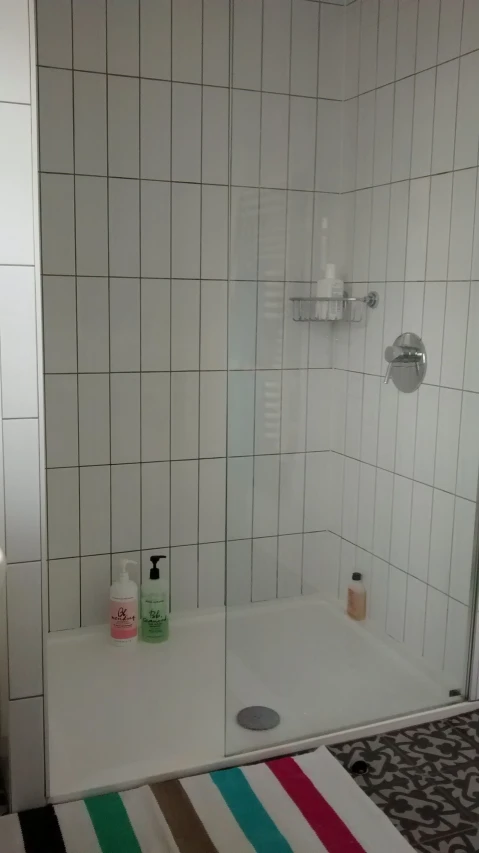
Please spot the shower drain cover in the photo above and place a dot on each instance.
(259, 718)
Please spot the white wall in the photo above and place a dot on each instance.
(21, 456)
(134, 146)
(408, 464)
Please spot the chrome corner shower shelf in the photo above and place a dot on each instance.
(315, 309)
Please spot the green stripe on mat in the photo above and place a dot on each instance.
(112, 824)
(248, 811)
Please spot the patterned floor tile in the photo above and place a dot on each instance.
(426, 779)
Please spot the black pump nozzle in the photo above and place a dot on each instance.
(154, 571)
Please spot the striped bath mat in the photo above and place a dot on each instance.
(307, 804)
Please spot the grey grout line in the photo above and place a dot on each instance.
(199, 312)
(140, 295)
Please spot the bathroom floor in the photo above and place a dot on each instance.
(426, 780)
(121, 716)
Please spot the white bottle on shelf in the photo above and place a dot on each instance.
(335, 292)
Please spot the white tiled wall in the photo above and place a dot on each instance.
(408, 464)
(21, 438)
(140, 323)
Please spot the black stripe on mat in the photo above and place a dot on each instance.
(41, 831)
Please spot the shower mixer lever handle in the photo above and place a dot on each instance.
(407, 362)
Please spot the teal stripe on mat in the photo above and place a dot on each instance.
(112, 824)
(249, 813)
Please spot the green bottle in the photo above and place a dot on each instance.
(154, 606)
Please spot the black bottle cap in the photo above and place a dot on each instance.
(357, 576)
(154, 571)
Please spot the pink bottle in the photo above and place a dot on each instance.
(124, 608)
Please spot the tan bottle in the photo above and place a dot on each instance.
(356, 608)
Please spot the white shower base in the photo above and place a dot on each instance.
(119, 716)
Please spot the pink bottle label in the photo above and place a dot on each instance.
(123, 619)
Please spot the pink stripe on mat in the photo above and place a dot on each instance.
(325, 822)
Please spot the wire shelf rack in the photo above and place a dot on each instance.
(349, 309)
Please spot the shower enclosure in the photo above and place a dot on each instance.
(202, 162)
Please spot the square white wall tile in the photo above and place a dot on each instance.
(331, 47)
(462, 550)
(291, 493)
(241, 402)
(441, 540)
(184, 502)
(421, 515)
(22, 489)
(274, 140)
(61, 420)
(455, 331)
(155, 416)
(293, 412)
(15, 52)
(427, 33)
(92, 325)
(212, 498)
(368, 44)
(123, 124)
(467, 119)
(184, 578)
(435, 630)
(155, 129)
(18, 342)
(95, 517)
(276, 45)
(95, 584)
(59, 324)
(24, 630)
(396, 606)
(63, 513)
(213, 394)
(401, 521)
(155, 324)
(91, 225)
(238, 568)
(125, 413)
(450, 25)
(304, 46)
(94, 418)
(423, 118)
(214, 232)
(215, 133)
(124, 229)
(125, 507)
(216, 42)
(155, 498)
(27, 758)
(155, 38)
(266, 495)
(416, 596)
(265, 568)
(240, 498)
(211, 575)
(290, 559)
(186, 133)
(468, 460)
(186, 41)
(184, 415)
(64, 594)
(268, 412)
(302, 143)
(125, 331)
(406, 38)
(270, 322)
(447, 441)
(123, 37)
(55, 94)
(185, 231)
(16, 218)
(89, 35)
(383, 134)
(57, 225)
(447, 77)
(247, 35)
(383, 514)
(155, 230)
(185, 324)
(90, 123)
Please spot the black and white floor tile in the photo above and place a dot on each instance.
(426, 779)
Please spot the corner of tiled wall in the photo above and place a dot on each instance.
(22, 462)
(409, 464)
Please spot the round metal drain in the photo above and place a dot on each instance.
(258, 718)
(359, 768)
